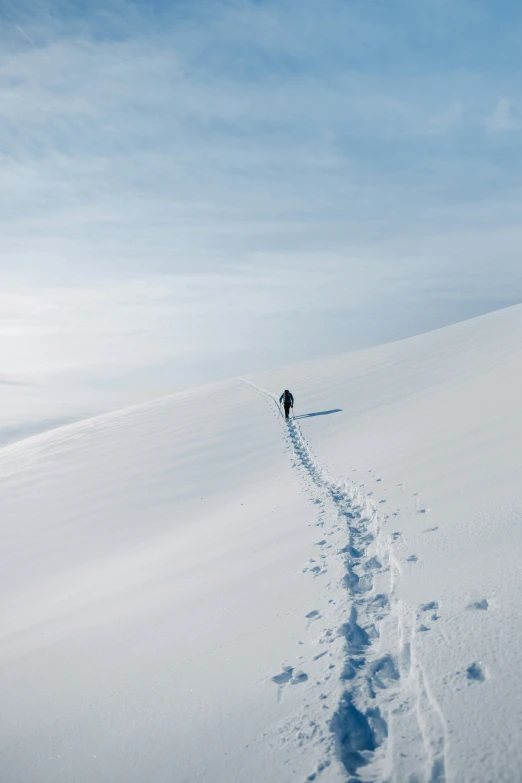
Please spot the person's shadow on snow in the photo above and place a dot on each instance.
(318, 413)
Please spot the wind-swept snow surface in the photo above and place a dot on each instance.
(197, 590)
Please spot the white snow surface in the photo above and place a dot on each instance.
(195, 590)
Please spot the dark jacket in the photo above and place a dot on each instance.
(288, 398)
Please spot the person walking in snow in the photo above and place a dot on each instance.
(288, 401)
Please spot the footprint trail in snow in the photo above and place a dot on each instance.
(385, 697)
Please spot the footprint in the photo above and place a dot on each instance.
(314, 570)
(480, 606)
(350, 668)
(475, 672)
(350, 550)
(413, 559)
(357, 734)
(312, 615)
(380, 601)
(431, 607)
(384, 670)
(320, 655)
(283, 677)
(299, 676)
(396, 536)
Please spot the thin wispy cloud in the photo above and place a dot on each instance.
(505, 117)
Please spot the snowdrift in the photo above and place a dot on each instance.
(195, 590)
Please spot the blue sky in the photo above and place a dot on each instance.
(191, 190)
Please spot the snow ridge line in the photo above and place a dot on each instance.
(369, 676)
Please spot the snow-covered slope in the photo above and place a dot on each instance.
(193, 590)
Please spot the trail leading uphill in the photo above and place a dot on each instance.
(385, 696)
(189, 594)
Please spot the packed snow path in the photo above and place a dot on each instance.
(384, 693)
